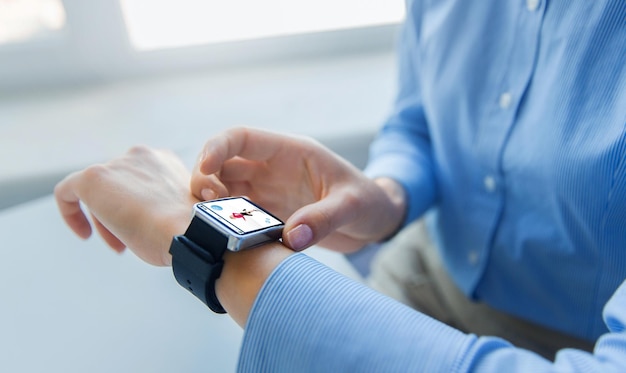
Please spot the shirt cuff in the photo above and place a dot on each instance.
(408, 163)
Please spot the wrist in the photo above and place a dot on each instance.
(217, 229)
(172, 225)
(243, 276)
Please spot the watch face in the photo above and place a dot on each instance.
(239, 215)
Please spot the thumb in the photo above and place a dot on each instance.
(312, 223)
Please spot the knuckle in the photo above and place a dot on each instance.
(353, 200)
(95, 171)
(239, 128)
(308, 142)
(237, 132)
(58, 188)
(139, 150)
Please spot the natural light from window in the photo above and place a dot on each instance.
(159, 24)
(23, 20)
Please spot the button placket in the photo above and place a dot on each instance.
(472, 257)
(505, 100)
(532, 5)
(489, 182)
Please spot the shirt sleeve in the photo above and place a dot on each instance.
(309, 318)
(402, 148)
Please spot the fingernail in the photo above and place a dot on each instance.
(208, 194)
(300, 237)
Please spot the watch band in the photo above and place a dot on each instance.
(197, 261)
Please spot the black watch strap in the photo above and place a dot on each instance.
(197, 261)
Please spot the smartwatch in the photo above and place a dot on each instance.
(234, 224)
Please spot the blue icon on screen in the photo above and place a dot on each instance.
(216, 207)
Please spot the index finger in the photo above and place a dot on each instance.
(68, 202)
(248, 143)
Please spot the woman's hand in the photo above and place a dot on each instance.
(140, 201)
(323, 198)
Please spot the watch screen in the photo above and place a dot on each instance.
(239, 214)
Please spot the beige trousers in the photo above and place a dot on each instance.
(409, 269)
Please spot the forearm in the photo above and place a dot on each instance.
(402, 149)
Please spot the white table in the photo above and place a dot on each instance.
(69, 305)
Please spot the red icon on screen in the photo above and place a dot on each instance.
(242, 214)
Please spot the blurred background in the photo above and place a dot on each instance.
(82, 81)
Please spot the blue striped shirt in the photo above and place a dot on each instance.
(510, 121)
(309, 318)
(509, 124)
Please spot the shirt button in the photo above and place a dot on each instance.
(532, 5)
(505, 100)
(472, 257)
(490, 183)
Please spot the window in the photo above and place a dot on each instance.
(61, 42)
(157, 24)
(25, 20)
